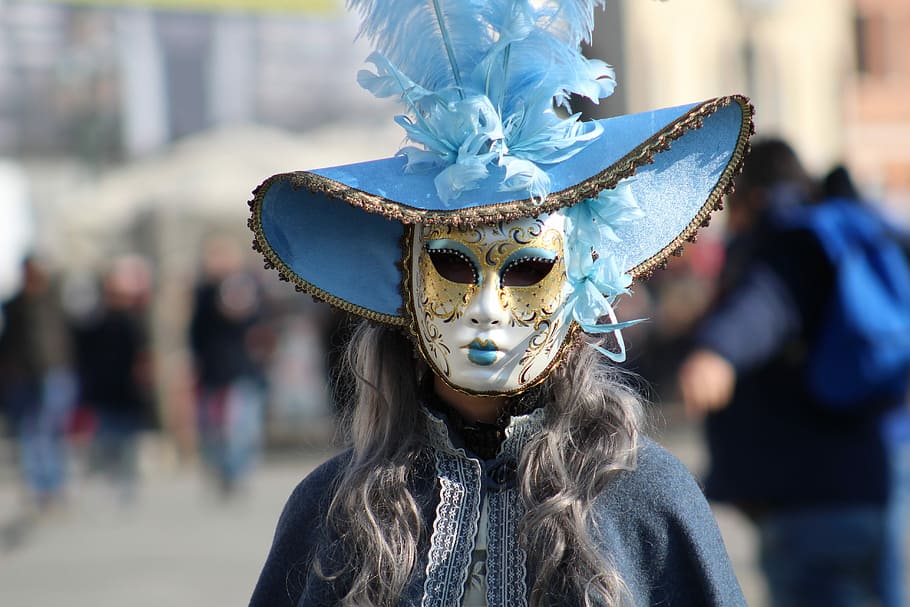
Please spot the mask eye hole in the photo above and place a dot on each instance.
(453, 265)
(526, 271)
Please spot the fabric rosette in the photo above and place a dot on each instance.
(598, 279)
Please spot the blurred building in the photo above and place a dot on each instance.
(877, 113)
(102, 84)
(791, 58)
(108, 82)
(831, 76)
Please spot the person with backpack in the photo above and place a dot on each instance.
(801, 368)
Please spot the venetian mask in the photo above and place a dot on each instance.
(489, 302)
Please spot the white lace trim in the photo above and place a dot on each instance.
(457, 515)
(454, 530)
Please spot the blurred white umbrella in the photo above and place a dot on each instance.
(215, 172)
(16, 226)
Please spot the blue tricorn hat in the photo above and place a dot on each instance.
(483, 94)
(337, 232)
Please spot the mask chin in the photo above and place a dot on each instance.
(487, 304)
(484, 386)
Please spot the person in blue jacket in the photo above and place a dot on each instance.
(496, 456)
(823, 483)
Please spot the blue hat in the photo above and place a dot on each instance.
(486, 95)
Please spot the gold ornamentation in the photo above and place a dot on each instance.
(441, 298)
(435, 344)
(506, 211)
(488, 213)
(538, 341)
(447, 300)
(414, 322)
(286, 274)
(531, 304)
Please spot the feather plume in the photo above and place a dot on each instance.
(429, 40)
(479, 80)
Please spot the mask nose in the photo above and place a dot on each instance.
(485, 310)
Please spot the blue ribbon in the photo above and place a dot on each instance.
(597, 280)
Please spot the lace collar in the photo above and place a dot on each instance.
(443, 435)
(480, 439)
(464, 482)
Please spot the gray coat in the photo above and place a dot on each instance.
(653, 524)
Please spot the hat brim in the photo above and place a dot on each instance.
(337, 232)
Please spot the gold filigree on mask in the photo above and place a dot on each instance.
(441, 298)
(434, 343)
(535, 303)
(529, 352)
(542, 342)
(529, 305)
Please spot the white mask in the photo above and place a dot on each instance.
(488, 302)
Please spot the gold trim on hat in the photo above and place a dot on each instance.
(274, 262)
(715, 198)
(641, 155)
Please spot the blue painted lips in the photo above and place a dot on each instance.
(482, 352)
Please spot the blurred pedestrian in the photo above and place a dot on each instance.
(37, 384)
(794, 442)
(114, 365)
(229, 343)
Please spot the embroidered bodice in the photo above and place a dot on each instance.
(468, 486)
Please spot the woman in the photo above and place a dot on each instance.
(496, 457)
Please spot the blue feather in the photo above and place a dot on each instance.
(389, 81)
(480, 79)
(574, 20)
(429, 40)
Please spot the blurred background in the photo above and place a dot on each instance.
(186, 390)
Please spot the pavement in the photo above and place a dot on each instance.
(178, 543)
